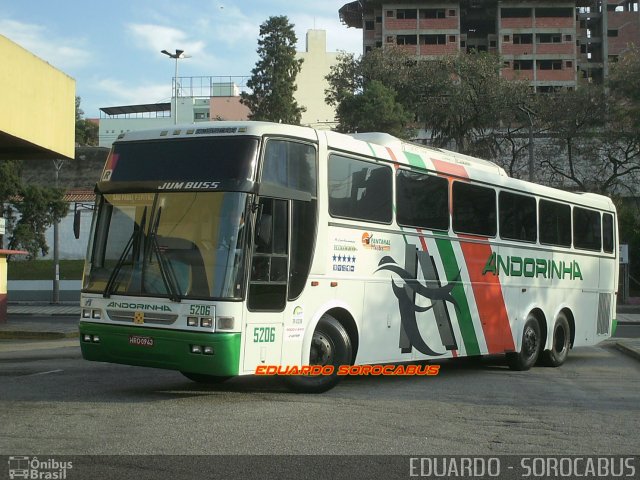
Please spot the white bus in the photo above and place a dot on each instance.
(221, 248)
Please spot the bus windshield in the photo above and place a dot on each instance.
(174, 245)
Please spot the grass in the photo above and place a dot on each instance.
(43, 270)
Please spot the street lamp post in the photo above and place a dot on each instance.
(176, 56)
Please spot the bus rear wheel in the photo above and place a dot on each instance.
(206, 379)
(530, 348)
(330, 345)
(560, 346)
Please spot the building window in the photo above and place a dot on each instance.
(515, 13)
(367, 49)
(452, 39)
(378, 44)
(612, 33)
(522, 38)
(554, 12)
(369, 25)
(390, 14)
(549, 38)
(493, 44)
(432, 13)
(407, 39)
(406, 14)
(379, 19)
(506, 64)
(550, 64)
(523, 64)
(452, 13)
(390, 39)
(433, 39)
(569, 64)
(506, 38)
(568, 38)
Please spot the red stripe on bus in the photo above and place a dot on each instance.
(489, 299)
(391, 154)
(450, 168)
(423, 242)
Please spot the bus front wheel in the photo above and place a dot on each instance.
(206, 379)
(560, 346)
(530, 348)
(330, 346)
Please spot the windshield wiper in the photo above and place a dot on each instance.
(135, 235)
(167, 273)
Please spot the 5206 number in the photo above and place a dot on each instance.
(264, 334)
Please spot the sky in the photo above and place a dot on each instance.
(112, 48)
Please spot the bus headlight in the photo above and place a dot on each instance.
(225, 323)
(96, 314)
(206, 322)
(86, 313)
(192, 321)
(196, 349)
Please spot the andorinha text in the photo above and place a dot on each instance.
(532, 267)
(391, 370)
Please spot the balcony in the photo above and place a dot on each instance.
(563, 75)
(511, 74)
(555, 48)
(392, 24)
(450, 23)
(523, 22)
(555, 22)
(517, 49)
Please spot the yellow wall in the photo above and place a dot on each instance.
(37, 101)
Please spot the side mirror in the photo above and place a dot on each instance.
(76, 224)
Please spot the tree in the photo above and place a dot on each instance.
(373, 110)
(272, 81)
(86, 131)
(29, 209)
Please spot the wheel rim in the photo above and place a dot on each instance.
(321, 350)
(530, 341)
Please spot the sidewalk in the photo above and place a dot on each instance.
(38, 321)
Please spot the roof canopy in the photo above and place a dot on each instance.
(144, 108)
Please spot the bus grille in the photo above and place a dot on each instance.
(149, 317)
(604, 313)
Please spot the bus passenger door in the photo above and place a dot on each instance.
(267, 296)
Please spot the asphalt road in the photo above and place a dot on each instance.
(53, 402)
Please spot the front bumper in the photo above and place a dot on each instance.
(171, 349)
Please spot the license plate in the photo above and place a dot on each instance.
(140, 341)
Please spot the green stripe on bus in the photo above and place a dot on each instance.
(452, 272)
(415, 160)
(373, 152)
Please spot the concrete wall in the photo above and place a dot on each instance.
(37, 106)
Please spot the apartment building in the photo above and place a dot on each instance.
(548, 43)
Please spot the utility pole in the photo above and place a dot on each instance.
(56, 244)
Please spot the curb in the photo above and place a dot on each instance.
(35, 335)
(632, 352)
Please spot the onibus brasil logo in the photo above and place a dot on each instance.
(38, 469)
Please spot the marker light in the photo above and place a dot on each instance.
(208, 350)
(196, 349)
(206, 322)
(86, 338)
(225, 323)
(192, 321)
(96, 339)
(96, 314)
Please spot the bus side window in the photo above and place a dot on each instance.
(607, 232)
(586, 229)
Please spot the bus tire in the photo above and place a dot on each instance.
(206, 379)
(330, 345)
(560, 345)
(530, 348)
